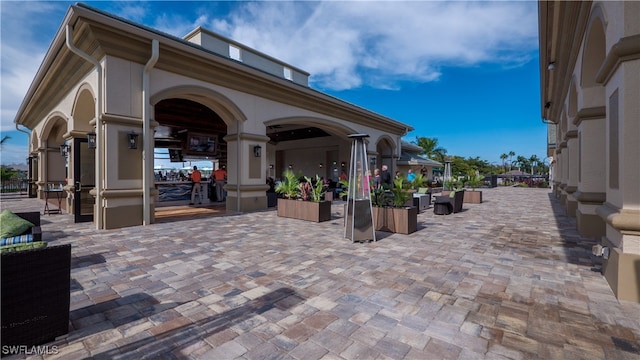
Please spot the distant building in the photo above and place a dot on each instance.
(410, 159)
(590, 96)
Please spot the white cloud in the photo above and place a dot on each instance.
(24, 43)
(380, 44)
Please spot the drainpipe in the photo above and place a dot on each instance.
(98, 111)
(238, 162)
(147, 136)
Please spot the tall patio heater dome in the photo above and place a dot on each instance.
(359, 213)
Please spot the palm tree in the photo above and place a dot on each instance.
(534, 160)
(511, 154)
(523, 163)
(430, 147)
(503, 157)
(4, 139)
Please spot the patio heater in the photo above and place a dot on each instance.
(359, 213)
(447, 173)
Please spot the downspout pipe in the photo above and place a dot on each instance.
(147, 136)
(99, 143)
(238, 162)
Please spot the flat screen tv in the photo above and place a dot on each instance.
(201, 144)
(175, 155)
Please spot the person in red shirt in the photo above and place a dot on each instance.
(196, 177)
(220, 177)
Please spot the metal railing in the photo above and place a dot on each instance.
(14, 185)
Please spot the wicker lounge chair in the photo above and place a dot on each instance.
(35, 295)
(445, 205)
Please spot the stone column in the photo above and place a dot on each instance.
(621, 211)
(591, 191)
(246, 182)
(572, 160)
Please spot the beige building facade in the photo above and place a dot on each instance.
(590, 96)
(120, 82)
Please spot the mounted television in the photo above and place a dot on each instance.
(175, 155)
(201, 145)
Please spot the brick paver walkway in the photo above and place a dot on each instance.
(506, 279)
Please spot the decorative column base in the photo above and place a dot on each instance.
(589, 223)
(622, 272)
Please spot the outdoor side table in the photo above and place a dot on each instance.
(58, 196)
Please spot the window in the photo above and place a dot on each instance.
(288, 74)
(235, 53)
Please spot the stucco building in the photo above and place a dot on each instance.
(203, 96)
(590, 96)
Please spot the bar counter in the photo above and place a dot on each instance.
(171, 193)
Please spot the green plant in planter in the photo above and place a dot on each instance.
(313, 192)
(400, 193)
(474, 181)
(453, 184)
(344, 185)
(289, 187)
(419, 181)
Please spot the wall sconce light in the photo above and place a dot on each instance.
(342, 164)
(64, 150)
(132, 139)
(547, 105)
(320, 165)
(290, 166)
(551, 66)
(257, 151)
(91, 140)
(271, 166)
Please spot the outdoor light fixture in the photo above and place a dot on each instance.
(551, 66)
(132, 139)
(320, 165)
(91, 140)
(290, 166)
(342, 164)
(547, 105)
(257, 151)
(64, 150)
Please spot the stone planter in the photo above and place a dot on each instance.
(396, 220)
(473, 196)
(305, 210)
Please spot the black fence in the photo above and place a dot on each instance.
(14, 185)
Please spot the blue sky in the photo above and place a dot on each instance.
(465, 73)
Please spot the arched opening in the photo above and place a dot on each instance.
(385, 149)
(308, 146)
(55, 167)
(188, 134)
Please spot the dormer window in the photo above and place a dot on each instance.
(235, 53)
(288, 73)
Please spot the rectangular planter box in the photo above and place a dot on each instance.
(305, 210)
(396, 220)
(472, 197)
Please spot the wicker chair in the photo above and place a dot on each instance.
(35, 294)
(445, 205)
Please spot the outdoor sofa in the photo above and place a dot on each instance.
(35, 289)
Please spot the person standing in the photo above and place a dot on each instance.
(196, 177)
(377, 179)
(386, 177)
(410, 176)
(220, 177)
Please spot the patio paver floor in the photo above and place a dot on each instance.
(506, 279)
